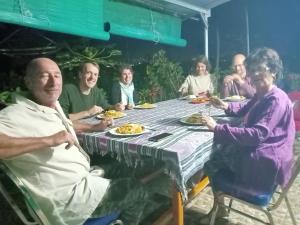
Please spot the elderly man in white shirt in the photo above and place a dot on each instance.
(38, 143)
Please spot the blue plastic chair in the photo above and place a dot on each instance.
(264, 202)
(33, 214)
(111, 219)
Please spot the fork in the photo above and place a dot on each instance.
(208, 107)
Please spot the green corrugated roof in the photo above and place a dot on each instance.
(87, 18)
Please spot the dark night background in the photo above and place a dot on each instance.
(272, 23)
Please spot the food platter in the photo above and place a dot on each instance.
(199, 100)
(235, 98)
(145, 106)
(111, 114)
(115, 133)
(127, 130)
(191, 120)
(188, 97)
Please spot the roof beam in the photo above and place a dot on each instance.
(190, 6)
(215, 3)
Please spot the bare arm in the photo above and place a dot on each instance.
(87, 113)
(14, 146)
(81, 127)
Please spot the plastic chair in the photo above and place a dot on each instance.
(28, 211)
(264, 202)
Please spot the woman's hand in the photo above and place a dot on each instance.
(209, 122)
(218, 103)
(119, 107)
(183, 91)
(129, 106)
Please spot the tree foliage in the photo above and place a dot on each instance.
(164, 78)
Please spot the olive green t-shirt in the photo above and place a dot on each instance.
(73, 101)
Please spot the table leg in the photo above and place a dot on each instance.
(177, 206)
(176, 214)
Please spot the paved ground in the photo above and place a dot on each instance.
(203, 203)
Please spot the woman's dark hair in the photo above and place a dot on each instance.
(202, 59)
(267, 57)
(125, 67)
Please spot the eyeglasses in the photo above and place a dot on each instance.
(257, 71)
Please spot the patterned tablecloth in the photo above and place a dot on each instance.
(184, 152)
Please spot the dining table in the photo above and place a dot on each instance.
(183, 153)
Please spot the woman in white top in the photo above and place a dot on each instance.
(123, 90)
(198, 83)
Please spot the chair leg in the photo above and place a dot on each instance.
(214, 213)
(229, 205)
(117, 222)
(290, 210)
(269, 215)
(15, 207)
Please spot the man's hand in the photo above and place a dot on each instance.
(94, 110)
(233, 77)
(218, 103)
(106, 122)
(209, 122)
(119, 107)
(62, 137)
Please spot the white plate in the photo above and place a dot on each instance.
(101, 116)
(230, 99)
(184, 121)
(145, 107)
(115, 133)
(188, 97)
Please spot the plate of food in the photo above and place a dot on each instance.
(128, 129)
(234, 98)
(188, 97)
(111, 114)
(199, 100)
(194, 119)
(145, 106)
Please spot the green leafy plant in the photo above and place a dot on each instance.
(217, 79)
(75, 52)
(8, 97)
(164, 78)
(72, 56)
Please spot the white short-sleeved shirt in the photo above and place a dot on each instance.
(58, 179)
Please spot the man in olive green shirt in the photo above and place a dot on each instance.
(85, 99)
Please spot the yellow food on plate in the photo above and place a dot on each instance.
(199, 100)
(130, 128)
(113, 114)
(146, 106)
(195, 118)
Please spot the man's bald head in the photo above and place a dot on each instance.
(238, 58)
(238, 64)
(34, 65)
(44, 80)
